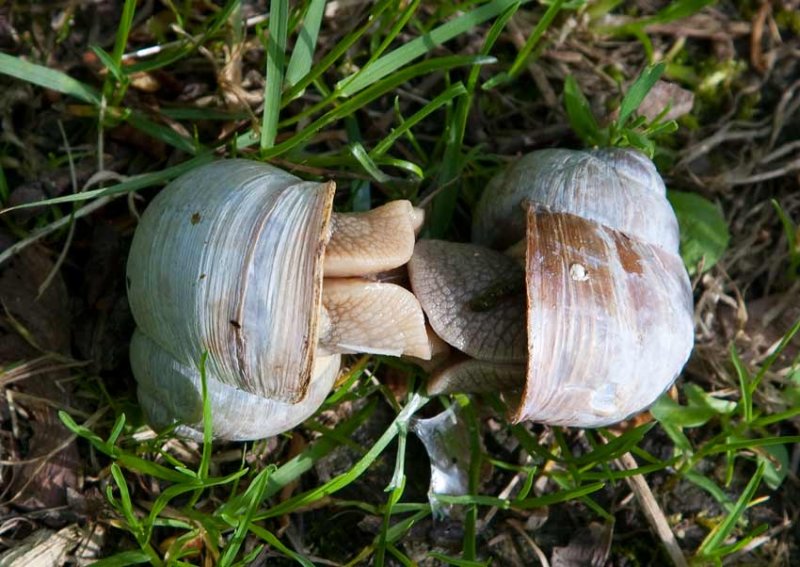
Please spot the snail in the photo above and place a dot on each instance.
(247, 263)
(586, 316)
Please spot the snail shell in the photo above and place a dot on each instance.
(228, 259)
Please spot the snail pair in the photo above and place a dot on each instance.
(572, 300)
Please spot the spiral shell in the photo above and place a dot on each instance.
(614, 187)
(227, 260)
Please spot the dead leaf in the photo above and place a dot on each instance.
(587, 547)
(43, 548)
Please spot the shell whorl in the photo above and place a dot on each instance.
(618, 188)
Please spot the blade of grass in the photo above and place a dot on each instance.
(303, 52)
(638, 90)
(47, 78)
(527, 504)
(712, 488)
(340, 49)
(276, 52)
(744, 384)
(107, 60)
(181, 49)
(396, 487)
(791, 232)
(162, 132)
(767, 364)
(443, 98)
(122, 559)
(469, 546)
(674, 11)
(579, 113)
(366, 162)
(128, 186)
(541, 27)
(721, 532)
(398, 25)
(120, 41)
(303, 462)
(273, 541)
(253, 498)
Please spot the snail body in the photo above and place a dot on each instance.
(599, 320)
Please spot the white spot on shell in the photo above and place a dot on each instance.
(604, 400)
(578, 273)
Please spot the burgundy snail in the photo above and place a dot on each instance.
(583, 320)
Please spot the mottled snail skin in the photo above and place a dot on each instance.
(230, 259)
(605, 303)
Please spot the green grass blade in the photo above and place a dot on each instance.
(339, 49)
(123, 559)
(303, 462)
(47, 78)
(366, 162)
(276, 52)
(744, 384)
(181, 49)
(205, 458)
(399, 529)
(397, 27)
(273, 541)
(528, 503)
(303, 52)
(767, 364)
(579, 113)
(712, 488)
(536, 35)
(444, 203)
(443, 98)
(161, 132)
(721, 532)
(791, 232)
(638, 90)
(254, 496)
(107, 60)
(123, 31)
(747, 444)
(418, 47)
(130, 185)
(457, 562)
